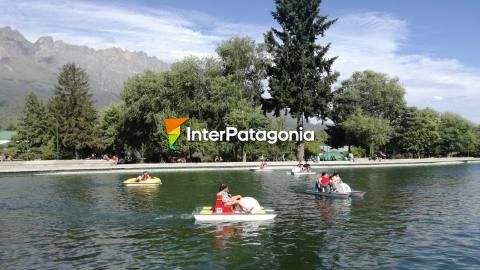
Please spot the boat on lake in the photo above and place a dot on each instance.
(221, 212)
(155, 181)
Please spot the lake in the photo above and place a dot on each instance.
(410, 218)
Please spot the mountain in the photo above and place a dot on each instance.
(33, 67)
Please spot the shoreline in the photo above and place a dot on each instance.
(101, 166)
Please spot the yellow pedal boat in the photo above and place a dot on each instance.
(155, 181)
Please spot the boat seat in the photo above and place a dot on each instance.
(220, 207)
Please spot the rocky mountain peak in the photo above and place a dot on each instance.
(33, 67)
(9, 33)
(45, 41)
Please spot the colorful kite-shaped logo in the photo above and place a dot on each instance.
(172, 125)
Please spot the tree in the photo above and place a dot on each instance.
(419, 131)
(281, 148)
(244, 117)
(369, 131)
(34, 130)
(314, 147)
(300, 73)
(244, 61)
(109, 124)
(374, 93)
(457, 135)
(73, 112)
(193, 88)
(186, 86)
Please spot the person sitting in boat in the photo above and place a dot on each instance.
(228, 199)
(307, 167)
(335, 180)
(322, 183)
(299, 168)
(263, 165)
(144, 177)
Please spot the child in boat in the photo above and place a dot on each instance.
(145, 176)
(322, 182)
(227, 199)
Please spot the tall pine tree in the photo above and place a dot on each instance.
(73, 112)
(300, 73)
(33, 130)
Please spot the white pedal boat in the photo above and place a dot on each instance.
(220, 213)
(299, 171)
(206, 214)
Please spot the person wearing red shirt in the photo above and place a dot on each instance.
(322, 182)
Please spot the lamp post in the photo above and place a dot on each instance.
(58, 153)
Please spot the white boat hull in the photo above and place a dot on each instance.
(206, 214)
(234, 217)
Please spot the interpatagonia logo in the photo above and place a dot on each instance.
(172, 125)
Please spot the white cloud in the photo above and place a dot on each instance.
(168, 34)
(362, 41)
(374, 41)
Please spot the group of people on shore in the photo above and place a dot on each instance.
(326, 183)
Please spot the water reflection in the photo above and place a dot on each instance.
(425, 217)
(144, 191)
(223, 233)
(231, 234)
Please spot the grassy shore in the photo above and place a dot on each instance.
(101, 166)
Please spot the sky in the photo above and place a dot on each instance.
(430, 45)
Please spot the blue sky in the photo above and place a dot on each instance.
(430, 45)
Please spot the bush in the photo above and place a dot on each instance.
(358, 152)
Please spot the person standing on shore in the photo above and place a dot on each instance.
(114, 160)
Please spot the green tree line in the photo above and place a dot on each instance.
(367, 112)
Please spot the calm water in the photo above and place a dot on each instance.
(415, 217)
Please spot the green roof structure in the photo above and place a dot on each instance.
(6, 136)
